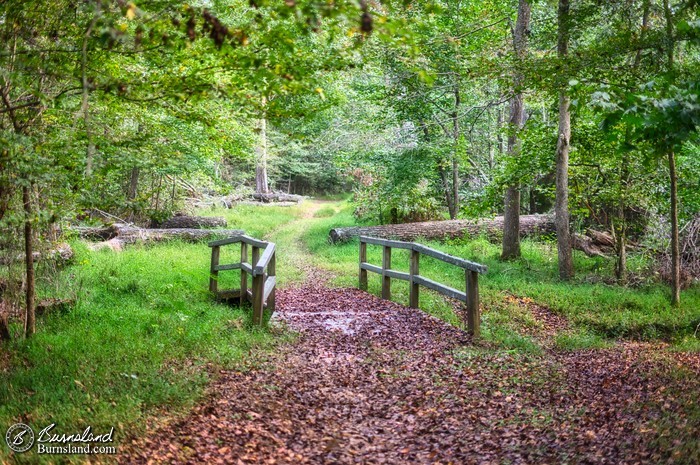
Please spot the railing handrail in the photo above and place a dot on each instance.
(239, 238)
(262, 268)
(472, 270)
(259, 267)
(264, 259)
(425, 250)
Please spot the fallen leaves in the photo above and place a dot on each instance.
(370, 381)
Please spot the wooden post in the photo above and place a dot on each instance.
(213, 272)
(258, 303)
(258, 290)
(386, 280)
(414, 271)
(363, 259)
(271, 271)
(244, 274)
(473, 314)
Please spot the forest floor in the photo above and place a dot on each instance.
(372, 381)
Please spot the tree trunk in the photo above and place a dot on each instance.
(85, 108)
(561, 205)
(261, 183)
(454, 210)
(444, 176)
(621, 230)
(133, 184)
(4, 328)
(675, 243)
(530, 225)
(511, 235)
(455, 188)
(29, 321)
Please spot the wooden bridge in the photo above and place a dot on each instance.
(262, 268)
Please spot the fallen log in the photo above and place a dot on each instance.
(530, 225)
(194, 222)
(600, 237)
(594, 243)
(277, 197)
(589, 246)
(54, 305)
(62, 253)
(118, 235)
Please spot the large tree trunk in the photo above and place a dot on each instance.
(561, 205)
(29, 321)
(529, 225)
(675, 243)
(511, 235)
(261, 184)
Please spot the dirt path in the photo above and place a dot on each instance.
(294, 252)
(370, 381)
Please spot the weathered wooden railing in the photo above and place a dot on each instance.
(261, 268)
(471, 270)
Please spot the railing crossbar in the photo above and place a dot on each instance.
(472, 270)
(262, 268)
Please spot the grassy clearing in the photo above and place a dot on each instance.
(141, 340)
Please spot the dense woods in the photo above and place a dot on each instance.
(425, 110)
(551, 145)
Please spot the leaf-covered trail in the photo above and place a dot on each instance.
(370, 381)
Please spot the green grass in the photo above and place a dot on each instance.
(256, 221)
(325, 212)
(142, 339)
(580, 339)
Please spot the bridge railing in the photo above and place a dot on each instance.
(261, 266)
(471, 270)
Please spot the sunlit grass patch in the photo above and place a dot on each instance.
(579, 340)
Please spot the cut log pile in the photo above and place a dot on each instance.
(593, 243)
(60, 253)
(194, 222)
(277, 197)
(117, 235)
